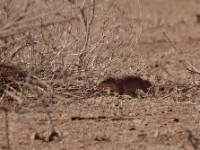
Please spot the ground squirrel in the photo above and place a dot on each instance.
(9, 75)
(7, 71)
(125, 85)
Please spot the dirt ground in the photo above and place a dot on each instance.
(168, 121)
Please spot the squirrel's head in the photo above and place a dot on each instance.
(106, 82)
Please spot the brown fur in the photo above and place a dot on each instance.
(125, 85)
(7, 71)
(8, 76)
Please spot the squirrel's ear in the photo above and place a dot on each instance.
(104, 81)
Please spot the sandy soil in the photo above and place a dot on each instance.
(164, 122)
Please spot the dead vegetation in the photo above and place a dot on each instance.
(53, 53)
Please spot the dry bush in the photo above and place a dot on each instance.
(66, 46)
